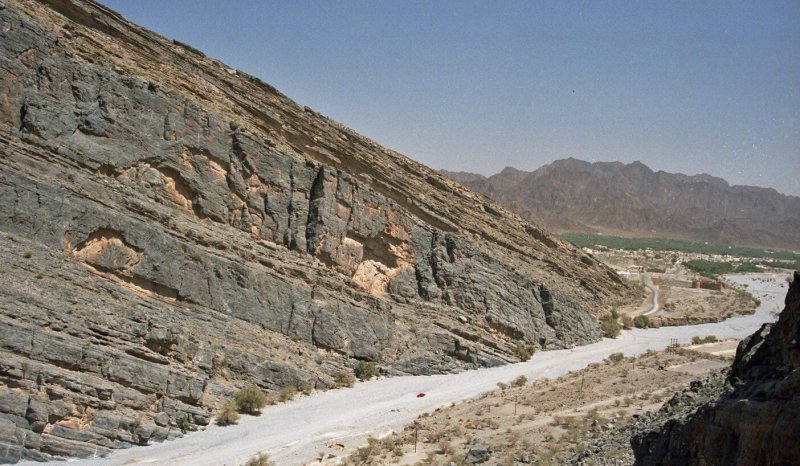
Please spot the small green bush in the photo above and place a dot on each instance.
(228, 415)
(365, 370)
(344, 379)
(627, 322)
(641, 321)
(616, 357)
(183, 423)
(524, 352)
(696, 340)
(610, 325)
(250, 399)
(287, 393)
(307, 387)
(519, 381)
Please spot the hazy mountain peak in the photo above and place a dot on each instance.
(576, 195)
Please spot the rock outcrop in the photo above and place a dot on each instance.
(754, 421)
(171, 228)
(612, 197)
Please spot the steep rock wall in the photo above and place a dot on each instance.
(171, 228)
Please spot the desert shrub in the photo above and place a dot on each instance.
(445, 448)
(307, 387)
(365, 370)
(344, 379)
(261, 459)
(627, 322)
(616, 357)
(364, 453)
(519, 381)
(287, 393)
(524, 352)
(228, 415)
(183, 423)
(641, 321)
(696, 340)
(610, 325)
(250, 399)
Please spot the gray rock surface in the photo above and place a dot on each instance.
(170, 231)
(478, 454)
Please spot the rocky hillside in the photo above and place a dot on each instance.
(611, 197)
(171, 228)
(755, 421)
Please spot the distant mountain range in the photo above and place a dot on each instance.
(632, 199)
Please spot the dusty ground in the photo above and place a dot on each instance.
(542, 421)
(682, 305)
(678, 303)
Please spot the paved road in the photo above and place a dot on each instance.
(295, 433)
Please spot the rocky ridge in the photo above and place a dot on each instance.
(616, 198)
(754, 420)
(172, 228)
(612, 446)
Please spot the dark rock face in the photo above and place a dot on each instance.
(573, 195)
(171, 229)
(756, 421)
(478, 454)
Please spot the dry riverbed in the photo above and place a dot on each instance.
(336, 422)
(547, 420)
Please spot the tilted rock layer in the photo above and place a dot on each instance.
(756, 422)
(171, 228)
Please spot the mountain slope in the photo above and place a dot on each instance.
(171, 228)
(754, 420)
(573, 195)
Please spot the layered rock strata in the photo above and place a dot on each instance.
(171, 228)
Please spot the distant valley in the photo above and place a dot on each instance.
(631, 199)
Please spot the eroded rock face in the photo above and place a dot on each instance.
(171, 228)
(757, 420)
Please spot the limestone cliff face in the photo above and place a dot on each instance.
(757, 420)
(171, 228)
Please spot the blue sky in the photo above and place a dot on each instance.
(691, 87)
